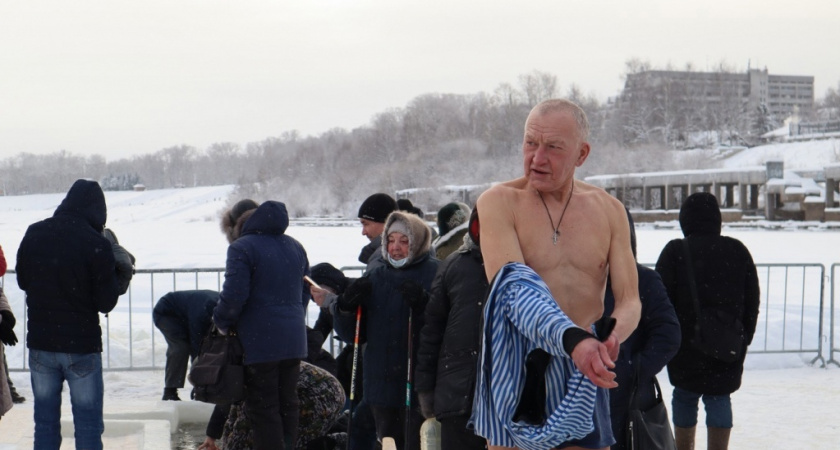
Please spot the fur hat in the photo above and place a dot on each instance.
(419, 234)
(327, 275)
(236, 216)
(700, 214)
(451, 216)
(377, 207)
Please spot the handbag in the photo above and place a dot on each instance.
(717, 333)
(648, 429)
(218, 373)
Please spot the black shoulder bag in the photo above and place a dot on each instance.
(218, 373)
(648, 429)
(717, 333)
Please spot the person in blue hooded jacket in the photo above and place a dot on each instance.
(67, 269)
(264, 300)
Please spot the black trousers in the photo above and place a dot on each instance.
(271, 403)
(454, 435)
(391, 422)
(176, 333)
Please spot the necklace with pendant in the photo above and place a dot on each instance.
(556, 229)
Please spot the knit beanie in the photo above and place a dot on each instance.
(451, 216)
(377, 207)
(700, 214)
(405, 204)
(327, 275)
(398, 226)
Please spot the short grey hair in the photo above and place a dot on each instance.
(568, 106)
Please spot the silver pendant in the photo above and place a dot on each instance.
(556, 235)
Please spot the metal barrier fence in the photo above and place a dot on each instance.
(791, 319)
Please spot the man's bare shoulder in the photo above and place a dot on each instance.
(599, 195)
(502, 193)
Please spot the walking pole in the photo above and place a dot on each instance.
(408, 380)
(353, 373)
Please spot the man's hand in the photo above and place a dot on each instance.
(593, 359)
(208, 444)
(318, 295)
(613, 346)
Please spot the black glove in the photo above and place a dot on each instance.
(354, 294)
(427, 404)
(604, 327)
(8, 318)
(414, 295)
(7, 333)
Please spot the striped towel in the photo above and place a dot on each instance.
(520, 316)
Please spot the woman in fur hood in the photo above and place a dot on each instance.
(389, 295)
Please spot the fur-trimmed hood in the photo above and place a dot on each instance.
(233, 228)
(419, 235)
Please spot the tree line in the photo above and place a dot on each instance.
(434, 140)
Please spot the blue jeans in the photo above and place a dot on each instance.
(83, 372)
(684, 405)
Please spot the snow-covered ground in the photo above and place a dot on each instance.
(784, 402)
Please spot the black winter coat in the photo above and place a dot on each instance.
(193, 309)
(66, 267)
(654, 342)
(726, 279)
(451, 339)
(386, 317)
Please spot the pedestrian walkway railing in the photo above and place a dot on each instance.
(791, 318)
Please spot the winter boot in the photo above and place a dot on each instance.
(685, 437)
(170, 394)
(718, 438)
(17, 398)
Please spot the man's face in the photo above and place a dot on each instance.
(397, 245)
(371, 229)
(552, 149)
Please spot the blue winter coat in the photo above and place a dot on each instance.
(194, 311)
(264, 297)
(386, 318)
(66, 267)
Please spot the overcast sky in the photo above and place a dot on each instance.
(120, 78)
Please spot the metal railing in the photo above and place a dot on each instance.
(791, 318)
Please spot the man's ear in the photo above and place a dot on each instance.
(584, 153)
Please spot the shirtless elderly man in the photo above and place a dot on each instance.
(573, 235)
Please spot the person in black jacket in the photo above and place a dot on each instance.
(450, 342)
(648, 349)
(67, 269)
(727, 281)
(184, 319)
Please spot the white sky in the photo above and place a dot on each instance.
(120, 78)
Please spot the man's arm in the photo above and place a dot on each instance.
(499, 241)
(623, 274)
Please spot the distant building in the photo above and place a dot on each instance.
(782, 95)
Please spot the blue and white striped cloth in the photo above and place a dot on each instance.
(520, 316)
